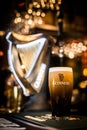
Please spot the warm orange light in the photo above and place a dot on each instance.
(2, 33)
(83, 84)
(85, 71)
(1, 53)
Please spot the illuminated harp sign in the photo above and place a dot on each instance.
(28, 62)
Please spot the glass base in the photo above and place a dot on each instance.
(50, 117)
(65, 118)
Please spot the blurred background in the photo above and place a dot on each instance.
(74, 17)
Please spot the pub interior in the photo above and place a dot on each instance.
(62, 25)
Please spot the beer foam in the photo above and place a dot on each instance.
(53, 69)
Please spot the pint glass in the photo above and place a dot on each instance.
(60, 88)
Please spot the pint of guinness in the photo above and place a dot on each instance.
(60, 87)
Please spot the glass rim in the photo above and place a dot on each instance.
(53, 69)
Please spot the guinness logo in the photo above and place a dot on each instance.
(61, 81)
(61, 76)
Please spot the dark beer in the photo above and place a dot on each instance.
(60, 87)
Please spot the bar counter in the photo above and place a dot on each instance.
(41, 120)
